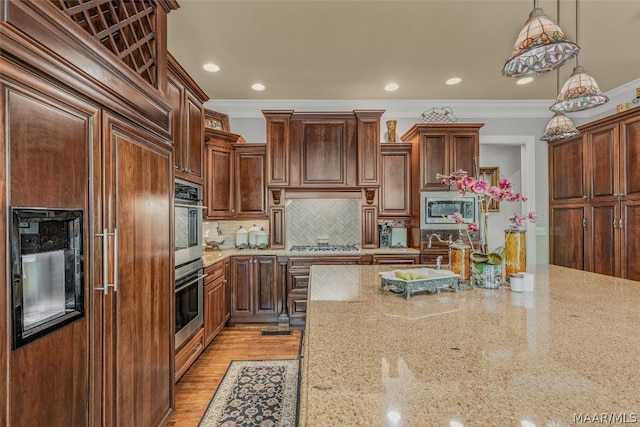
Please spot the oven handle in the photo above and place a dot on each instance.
(184, 205)
(191, 282)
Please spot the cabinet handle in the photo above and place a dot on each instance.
(584, 197)
(584, 223)
(620, 222)
(105, 261)
(615, 223)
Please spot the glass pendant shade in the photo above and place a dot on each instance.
(580, 92)
(559, 127)
(541, 46)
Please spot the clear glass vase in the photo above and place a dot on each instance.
(515, 252)
(488, 276)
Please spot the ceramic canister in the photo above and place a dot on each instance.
(252, 236)
(242, 238)
(262, 239)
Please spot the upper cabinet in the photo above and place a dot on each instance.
(187, 122)
(443, 149)
(395, 186)
(323, 149)
(235, 177)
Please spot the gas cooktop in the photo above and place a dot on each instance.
(325, 248)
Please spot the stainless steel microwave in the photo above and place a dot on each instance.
(435, 207)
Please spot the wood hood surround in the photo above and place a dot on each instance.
(322, 155)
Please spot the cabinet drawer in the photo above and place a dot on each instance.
(213, 272)
(188, 353)
(307, 262)
(297, 303)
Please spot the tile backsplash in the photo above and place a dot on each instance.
(307, 220)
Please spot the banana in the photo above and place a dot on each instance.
(410, 276)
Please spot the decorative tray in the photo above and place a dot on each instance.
(430, 280)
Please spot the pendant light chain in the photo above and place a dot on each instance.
(577, 32)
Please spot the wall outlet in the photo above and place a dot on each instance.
(541, 231)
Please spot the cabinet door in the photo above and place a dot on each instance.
(241, 283)
(567, 168)
(265, 286)
(324, 150)
(48, 139)
(602, 168)
(630, 244)
(604, 239)
(395, 189)
(174, 94)
(227, 289)
(138, 333)
(214, 309)
(249, 181)
(219, 185)
(567, 236)
(434, 159)
(464, 151)
(194, 139)
(630, 156)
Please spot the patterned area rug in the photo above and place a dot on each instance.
(255, 393)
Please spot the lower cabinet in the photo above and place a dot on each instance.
(254, 290)
(216, 296)
(188, 353)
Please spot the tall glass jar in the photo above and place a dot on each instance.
(515, 252)
(460, 259)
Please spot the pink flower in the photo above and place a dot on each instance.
(532, 216)
(456, 217)
(468, 181)
(493, 191)
(473, 227)
(504, 184)
(479, 187)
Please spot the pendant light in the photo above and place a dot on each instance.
(540, 47)
(581, 91)
(560, 126)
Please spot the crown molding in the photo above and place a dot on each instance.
(413, 108)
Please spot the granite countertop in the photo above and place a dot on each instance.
(568, 350)
(210, 257)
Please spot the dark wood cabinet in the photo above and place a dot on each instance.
(249, 181)
(594, 193)
(254, 290)
(235, 184)
(216, 289)
(133, 337)
(323, 149)
(219, 170)
(187, 122)
(567, 235)
(85, 132)
(395, 186)
(443, 149)
(569, 184)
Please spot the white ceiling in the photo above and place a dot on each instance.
(330, 49)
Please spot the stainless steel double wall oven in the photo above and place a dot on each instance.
(188, 260)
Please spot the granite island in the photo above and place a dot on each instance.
(561, 355)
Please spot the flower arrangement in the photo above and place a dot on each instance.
(486, 194)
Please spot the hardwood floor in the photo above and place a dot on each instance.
(240, 342)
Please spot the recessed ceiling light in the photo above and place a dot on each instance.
(453, 81)
(211, 67)
(258, 87)
(391, 87)
(524, 80)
